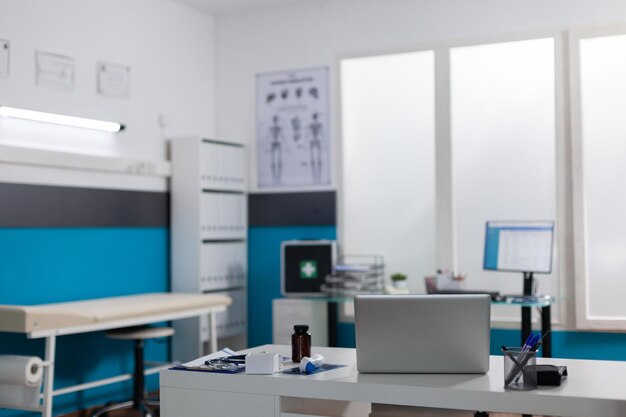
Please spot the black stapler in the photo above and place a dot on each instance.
(549, 374)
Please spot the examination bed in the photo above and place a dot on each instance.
(51, 320)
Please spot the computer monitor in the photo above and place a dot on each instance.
(519, 246)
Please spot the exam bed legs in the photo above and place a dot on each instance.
(48, 383)
(213, 331)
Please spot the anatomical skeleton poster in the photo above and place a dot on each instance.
(293, 131)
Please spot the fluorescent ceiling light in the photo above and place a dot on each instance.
(61, 119)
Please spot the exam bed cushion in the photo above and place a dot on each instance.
(24, 319)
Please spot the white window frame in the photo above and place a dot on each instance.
(579, 214)
(564, 303)
(444, 198)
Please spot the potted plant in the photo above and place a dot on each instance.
(398, 280)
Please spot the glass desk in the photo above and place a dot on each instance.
(526, 303)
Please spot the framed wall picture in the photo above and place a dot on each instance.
(293, 129)
(54, 71)
(113, 80)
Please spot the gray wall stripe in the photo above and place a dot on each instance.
(292, 209)
(24, 205)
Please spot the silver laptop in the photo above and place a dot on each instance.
(422, 333)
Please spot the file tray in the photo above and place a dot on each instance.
(356, 274)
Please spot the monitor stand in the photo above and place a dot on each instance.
(528, 283)
(526, 311)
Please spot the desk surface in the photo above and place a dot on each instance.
(594, 388)
(506, 300)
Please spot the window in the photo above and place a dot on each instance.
(599, 97)
(388, 161)
(503, 151)
(497, 134)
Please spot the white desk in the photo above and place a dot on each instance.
(593, 389)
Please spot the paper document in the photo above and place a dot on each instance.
(200, 361)
(113, 80)
(220, 362)
(55, 71)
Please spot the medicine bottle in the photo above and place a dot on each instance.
(300, 342)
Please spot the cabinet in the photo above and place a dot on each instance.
(287, 312)
(208, 238)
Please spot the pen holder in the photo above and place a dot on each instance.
(520, 372)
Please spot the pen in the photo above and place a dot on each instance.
(540, 341)
(532, 346)
(520, 366)
(236, 359)
(517, 369)
(531, 340)
(506, 351)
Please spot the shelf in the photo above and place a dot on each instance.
(209, 231)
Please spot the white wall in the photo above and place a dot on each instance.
(322, 32)
(169, 48)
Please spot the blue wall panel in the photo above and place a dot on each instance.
(570, 344)
(565, 344)
(45, 265)
(264, 286)
(42, 265)
(264, 273)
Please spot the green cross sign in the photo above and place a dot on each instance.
(308, 269)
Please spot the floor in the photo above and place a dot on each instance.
(117, 413)
(132, 413)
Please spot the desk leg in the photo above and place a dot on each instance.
(213, 331)
(546, 326)
(48, 383)
(526, 324)
(332, 324)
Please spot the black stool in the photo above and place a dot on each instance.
(138, 335)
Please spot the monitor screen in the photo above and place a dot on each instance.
(519, 246)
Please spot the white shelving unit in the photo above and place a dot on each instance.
(208, 238)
